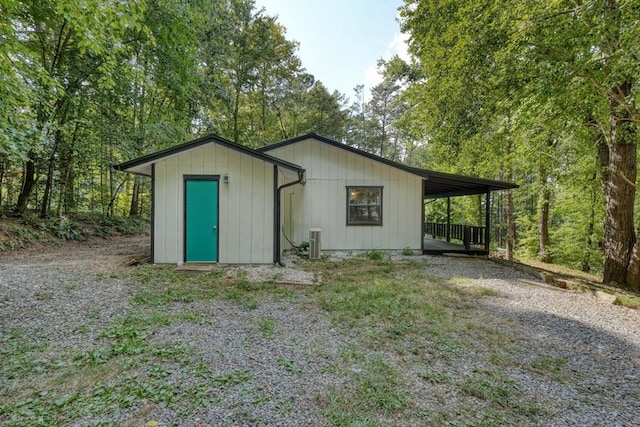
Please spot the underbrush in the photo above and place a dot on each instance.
(16, 233)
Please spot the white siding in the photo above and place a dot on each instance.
(245, 204)
(322, 201)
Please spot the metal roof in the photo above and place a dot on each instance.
(142, 165)
(437, 184)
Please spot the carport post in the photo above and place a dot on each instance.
(448, 231)
(487, 221)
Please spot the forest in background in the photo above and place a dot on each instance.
(535, 92)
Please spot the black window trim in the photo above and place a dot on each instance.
(370, 224)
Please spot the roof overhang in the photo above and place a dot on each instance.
(440, 184)
(143, 165)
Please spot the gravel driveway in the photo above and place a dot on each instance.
(50, 294)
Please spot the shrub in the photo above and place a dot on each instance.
(374, 255)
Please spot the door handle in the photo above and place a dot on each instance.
(215, 227)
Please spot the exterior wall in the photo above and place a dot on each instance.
(245, 229)
(322, 201)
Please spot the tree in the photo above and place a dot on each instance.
(324, 113)
(597, 49)
(63, 48)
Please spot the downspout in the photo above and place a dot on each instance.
(276, 228)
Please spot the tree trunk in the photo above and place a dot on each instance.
(27, 185)
(586, 256)
(3, 162)
(46, 197)
(65, 178)
(619, 236)
(236, 115)
(511, 225)
(620, 266)
(135, 200)
(544, 199)
(66, 172)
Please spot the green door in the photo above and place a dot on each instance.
(201, 220)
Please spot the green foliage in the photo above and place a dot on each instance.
(66, 229)
(302, 248)
(30, 229)
(128, 226)
(92, 86)
(14, 235)
(500, 92)
(407, 251)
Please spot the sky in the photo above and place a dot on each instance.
(340, 41)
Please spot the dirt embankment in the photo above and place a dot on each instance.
(93, 253)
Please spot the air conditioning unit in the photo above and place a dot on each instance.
(314, 243)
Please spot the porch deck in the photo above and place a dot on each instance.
(440, 247)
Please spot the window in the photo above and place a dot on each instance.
(364, 205)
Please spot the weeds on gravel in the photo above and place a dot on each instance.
(629, 301)
(552, 366)
(266, 327)
(374, 387)
(128, 371)
(414, 320)
(408, 338)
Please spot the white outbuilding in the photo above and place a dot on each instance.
(217, 201)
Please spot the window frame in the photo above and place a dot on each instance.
(350, 222)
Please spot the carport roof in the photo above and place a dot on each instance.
(437, 184)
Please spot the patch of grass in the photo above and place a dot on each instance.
(161, 297)
(242, 298)
(285, 405)
(165, 286)
(504, 402)
(128, 371)
(629, 301)
(289, 365)
(561, 269)
(266, 327)
(366, 292)
(375, 388)
(498, 391)
(552, 366)
(435, 377)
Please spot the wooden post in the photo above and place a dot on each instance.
(487, 221)
(422, 219)
(466, 237)
(448, 231)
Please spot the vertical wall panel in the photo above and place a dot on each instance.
(159, 247)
